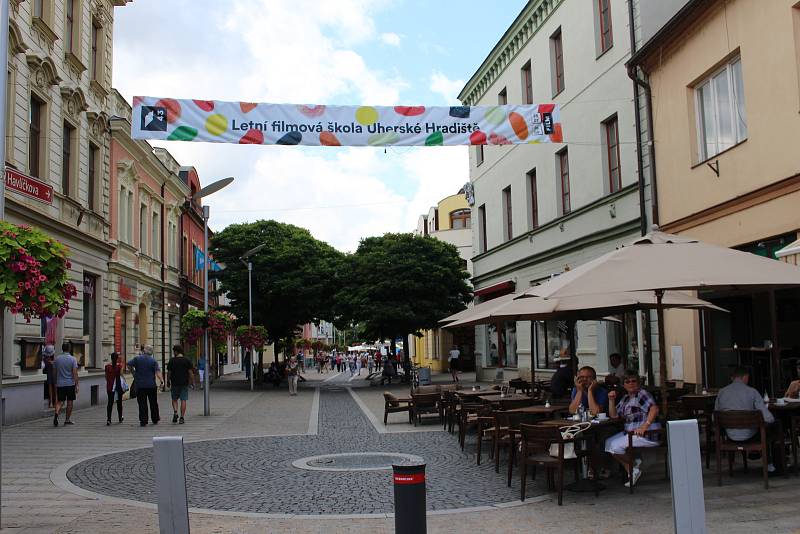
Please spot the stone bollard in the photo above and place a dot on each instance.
(173, 505)
(409, 499)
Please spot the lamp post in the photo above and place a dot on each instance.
(207, 190)
(249, 265)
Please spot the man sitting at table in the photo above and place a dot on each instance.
(739, 396)
(588, 392)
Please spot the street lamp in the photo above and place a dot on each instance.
(249, 265)
(207, 190)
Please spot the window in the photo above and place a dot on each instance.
(95, 61)
(460, 219)
(557, 55)
(143, 229)
(534, 199)
(129, 227)
(93, 159)
(563, 174)
(550, 339)
(37, 109)
(527, 84)
(611, 127)
(155, 231)
(721, 118)
(67, 140)
(478, 155)
(122, 214)
(482, 229)
(38, 9)
(502, 97)
(509, 229)
(604, 23)
(69, 36)
(185, 250)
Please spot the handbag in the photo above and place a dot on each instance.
(123, 383)
(568, 432)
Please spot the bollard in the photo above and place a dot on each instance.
(686, 477)
(173, 505)
(409, 499)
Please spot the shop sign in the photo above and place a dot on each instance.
(127, 290)
(30, 187)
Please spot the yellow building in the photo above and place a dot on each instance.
(724, 83)
(450, 220)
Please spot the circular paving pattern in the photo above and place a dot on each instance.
(357, 461)
(258, 475)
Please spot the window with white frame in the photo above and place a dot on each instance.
(155, 233)
(143, 229)
(721, 117)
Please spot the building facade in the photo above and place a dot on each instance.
(450, 221)
(59, 85)
(146, 201)
(541, 209)
(725, 83)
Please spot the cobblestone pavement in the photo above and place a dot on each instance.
(255, 473)
(33, 454)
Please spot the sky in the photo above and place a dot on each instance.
(347, 52)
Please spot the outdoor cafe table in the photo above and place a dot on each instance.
(471, 394)
(541, 409)
(496, 397)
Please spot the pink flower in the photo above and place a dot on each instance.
(42, 299)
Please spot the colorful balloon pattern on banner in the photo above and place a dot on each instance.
(319, 125)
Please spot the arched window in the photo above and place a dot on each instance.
(460, 219)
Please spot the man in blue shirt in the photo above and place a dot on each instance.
(145, 372)
(588, 393)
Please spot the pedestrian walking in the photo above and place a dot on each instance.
(388, 371)
(115, 387)
(370, 364)
(145, 374)
(453, 360)
(201, 371)
(291, 372)
(358, 364)
(48, 354)
(67, 388)
(180, 374)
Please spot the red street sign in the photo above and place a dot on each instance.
(30, 187)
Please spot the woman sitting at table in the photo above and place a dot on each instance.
(638, 410)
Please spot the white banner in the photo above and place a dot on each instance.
(170, 119)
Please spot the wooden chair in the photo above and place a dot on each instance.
(426, 404)
(485, 427)
(450, 406)
(506, 435)
(468, 418)
(741, 419)
(659, 434)
(518, 385)
(393, 404)
(700, 409)
(536, 441)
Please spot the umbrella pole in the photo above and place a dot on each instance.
(662, 351)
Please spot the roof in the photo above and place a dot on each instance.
(671, 30)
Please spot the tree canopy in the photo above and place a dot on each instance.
(295, 277)
(399, 284)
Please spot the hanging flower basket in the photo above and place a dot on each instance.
(220, 325)
(251, 336)
(34, 273)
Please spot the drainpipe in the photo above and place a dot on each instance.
(637, 83)
(163, 283)
(642, 326)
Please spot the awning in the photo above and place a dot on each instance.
(790, 253)
(495, 290)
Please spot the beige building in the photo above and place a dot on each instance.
(59, 82)
(724, 80)
(450, 221)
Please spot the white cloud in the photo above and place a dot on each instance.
(391, 39)
(446, 87)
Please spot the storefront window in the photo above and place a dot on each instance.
(550, 340)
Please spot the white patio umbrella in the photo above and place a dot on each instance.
(658, 262)
(478, 309)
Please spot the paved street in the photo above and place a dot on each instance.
(240, 474)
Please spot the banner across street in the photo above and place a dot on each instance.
(215, 121)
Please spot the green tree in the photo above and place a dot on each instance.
(294, 277)
(400, 284)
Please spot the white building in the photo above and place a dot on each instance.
(541, 209)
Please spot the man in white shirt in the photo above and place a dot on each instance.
(453, 360)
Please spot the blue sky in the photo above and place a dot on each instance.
(381, 52)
